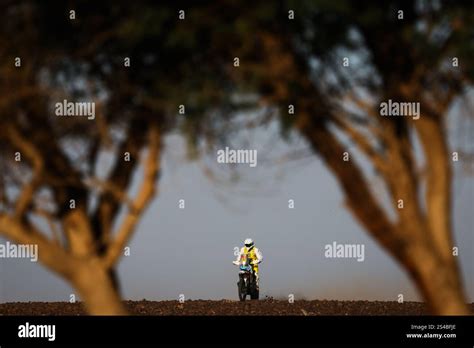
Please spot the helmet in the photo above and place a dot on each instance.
(248, 242)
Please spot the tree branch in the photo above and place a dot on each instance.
(50, 220)
(362, 142)
(109, 187)
(146, 193)
(438, 183)
(50, 254)
(26, 197)
(117, 183)
(360, 199)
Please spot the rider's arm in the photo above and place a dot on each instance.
(237, 261)
(259, 255)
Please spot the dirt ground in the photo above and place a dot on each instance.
(229, 307)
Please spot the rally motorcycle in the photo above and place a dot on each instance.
(247, 284)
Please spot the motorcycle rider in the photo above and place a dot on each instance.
(254, 255)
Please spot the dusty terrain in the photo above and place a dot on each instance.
(267, 306)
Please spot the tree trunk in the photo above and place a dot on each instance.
(115, 281)
(412, 241)
(438, 281)
(97, 289)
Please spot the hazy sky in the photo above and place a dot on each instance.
(190, 251)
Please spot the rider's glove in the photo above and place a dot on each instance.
(235, 263)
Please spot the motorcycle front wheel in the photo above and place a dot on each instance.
(242, 289)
